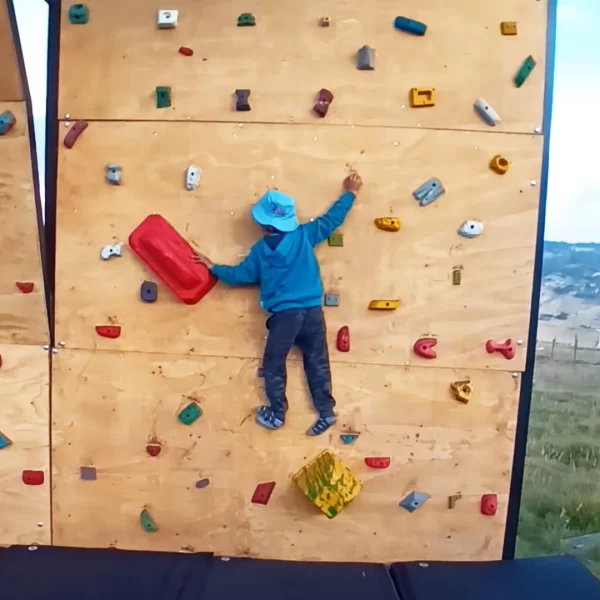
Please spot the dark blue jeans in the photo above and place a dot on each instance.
(305, 328)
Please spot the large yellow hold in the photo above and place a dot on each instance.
(327, 483)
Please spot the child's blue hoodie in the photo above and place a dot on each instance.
(284, 264)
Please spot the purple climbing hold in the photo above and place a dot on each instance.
(202, 483)
(87, 473)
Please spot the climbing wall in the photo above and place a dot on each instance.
(24, 366)
(127, 471)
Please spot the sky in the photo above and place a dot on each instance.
(573, 210)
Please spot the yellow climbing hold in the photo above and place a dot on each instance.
(327, 483)
(384, 304)
(462, 390)
(388, 224)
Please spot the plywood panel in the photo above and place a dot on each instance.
(107, 406)
(24, 510)
(23, 316)
(10, 82)
(239, 163)
(287, 58)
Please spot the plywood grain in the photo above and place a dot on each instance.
(239, 163)
(287, 58)
(24, 392)
(23, 317)
(11, 89)
(107, 406)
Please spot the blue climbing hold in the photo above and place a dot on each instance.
(348, 438)
(410, 26)
(4, 441)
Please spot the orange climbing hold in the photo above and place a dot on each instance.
(25, 286)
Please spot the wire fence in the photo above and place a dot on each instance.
(572, 352)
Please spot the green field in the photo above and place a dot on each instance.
(561, 490)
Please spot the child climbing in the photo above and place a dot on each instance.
(284, 265)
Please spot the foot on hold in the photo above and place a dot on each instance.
(266, 417)
(321, 425)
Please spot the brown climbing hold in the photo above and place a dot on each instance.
(76, 130)
(25, 286)
(153, 449)
(453, 499)
(462, 390)
(324, 99)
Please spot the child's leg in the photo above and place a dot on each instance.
(283, 328)
(312, 341)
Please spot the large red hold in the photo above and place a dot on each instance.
(507, 348)
(343, 339)
(156, 243)
(489, 504)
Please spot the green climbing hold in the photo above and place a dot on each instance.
(246, 20)
(190, 413)
(524, 72)
(78, 14)
(147, 522)
(163, 97)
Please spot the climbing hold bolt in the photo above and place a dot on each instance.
(524, 71)
(336, 239)
(423, 347)
(343, 339)
(508, 28)
(365, 59)
(453, 499)
(108, 331)
(153, 449)
(262, 493)
(378, 462)
(324, 99)
(489, 504)
(457, 275)
(384, 304)
(110, 251)
(74, 132)
(202, 483)
(87, 473)
(241, 100)
(388, 224)
(486, 112)
(246, 20)
(413, 501)
(33, 477)
(78, 14)
(348, 438)
(163, 96)
(190, 413)
(507, 348)
(462, 390)
(260, 372)
(186, 51)
(7, 122)
(499, 165)
(113, 174)
(26, 287)
(324, 22)
(332, 300)
(192, 177)
(167, 19)
(148, 291)
(428, 192)
(470, 229)
(410, 26)
(4, 441)
(146, 522)
(421, 97)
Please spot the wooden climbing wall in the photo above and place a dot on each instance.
(24, 364)
(113, 397)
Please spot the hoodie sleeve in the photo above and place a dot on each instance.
(245, 273)
(321, 228)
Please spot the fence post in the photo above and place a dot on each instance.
(575, 349)
(552, 351)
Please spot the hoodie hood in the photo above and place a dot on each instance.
(285, 253)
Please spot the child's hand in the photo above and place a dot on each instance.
(201, 259)
(353, 183)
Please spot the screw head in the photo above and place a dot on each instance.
(67, 116)
(515, 375)
(519, 342)
(61, 344)
(424, 565)
(46, 347)
(32, 548)
(533, 183)
(537, 130)
(40, 524)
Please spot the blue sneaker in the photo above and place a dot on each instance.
(266, 417)
(321, 425)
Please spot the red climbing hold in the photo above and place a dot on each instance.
(76, 130)
(343, 339)
(25, 286)
(489, 504)
(507, 349)
(424, 347)
(109, 331)
(186, 51)
(170, 258)
(379, 462)
(33, 477)
(263, 492)
(153, 449)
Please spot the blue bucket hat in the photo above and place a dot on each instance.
(277, 210)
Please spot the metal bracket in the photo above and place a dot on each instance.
(414, 500)
(113, 174)
(486, 112)
(470, 229)
(192, 177)
(365, 59)
(167, 19)
(430, 191)
(108, 252)
(241, 100)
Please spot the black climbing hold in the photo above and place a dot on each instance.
(241, 100)
(148, 291)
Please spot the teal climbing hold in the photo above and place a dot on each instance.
(524, 71)
(246, 20)
(78, 14)
(146, 522)
(163, 97)
(190, 413)
(4, 441)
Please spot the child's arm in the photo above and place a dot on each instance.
(245, 273)
(322, 227)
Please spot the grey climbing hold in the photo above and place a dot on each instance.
(332, 300)
(470, 229)
(108, 252)
(192, 178)
(148, 291)
(365, 59)
(87, 473)
(113, 174)
(414, 500)
(486, 112)
(430, 191)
